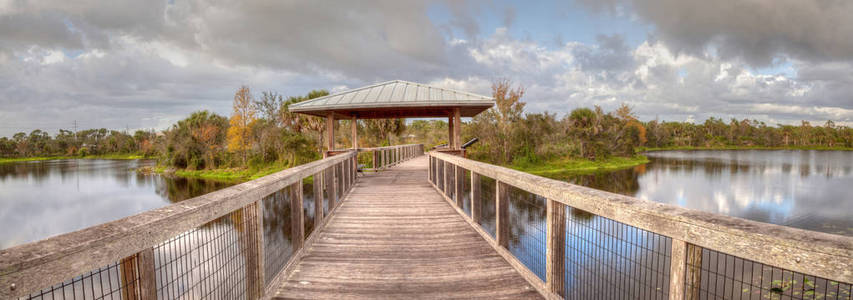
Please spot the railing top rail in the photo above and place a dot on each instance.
(386, 147)
(61, 257)
(815, 253)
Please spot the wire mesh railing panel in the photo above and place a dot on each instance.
(308, 204)
(278, 232)
(208, 262)
(466, 192)
(439, 180)
(432, 169)
(527, 229)
(339, 183)
(715, 275)
(487, 204)
(606, 259)
(107, 282)
(327, 196)
(450, 189)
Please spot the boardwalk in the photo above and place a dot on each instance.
(395, 237)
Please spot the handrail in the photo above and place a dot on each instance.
(30, 267)
(384, 157)
(808, 252)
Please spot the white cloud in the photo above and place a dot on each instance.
(149, 65)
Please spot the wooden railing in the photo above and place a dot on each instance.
(383, 157)
(219, 245)
(703, 255)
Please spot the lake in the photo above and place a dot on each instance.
(804, 189)
(40, 199)
(607, 259)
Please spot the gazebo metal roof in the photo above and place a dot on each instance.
(395, 99)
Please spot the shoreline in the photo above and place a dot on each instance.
(692, 148)
(580, 166)
(45, 158)
(222, 174)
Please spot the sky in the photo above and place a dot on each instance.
(146, 64)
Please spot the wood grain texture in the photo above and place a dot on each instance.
(37, 265)
(809, 252)
(396, 237)
(555, 248)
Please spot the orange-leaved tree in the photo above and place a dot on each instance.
(242, 119)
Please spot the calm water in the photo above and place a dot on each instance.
(607, 259)
(47, 198)
(804, 189)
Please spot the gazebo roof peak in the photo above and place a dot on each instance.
(395, 99)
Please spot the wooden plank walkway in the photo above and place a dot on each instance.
(396, 237)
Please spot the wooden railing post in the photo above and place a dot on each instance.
(130, 287)
(429, 170)
(693, 266)
(375, 160)
(147, 277)
(475, 198)
(329, 180)
(501, 214)
(678, 265)
(555, 250)
(445, 169)
(296, 214)
(318, 199)
(460, 186)
(253, 249)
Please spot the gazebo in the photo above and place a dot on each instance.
(395, 99)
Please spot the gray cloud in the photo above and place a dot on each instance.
(758, 32)
(142, 66)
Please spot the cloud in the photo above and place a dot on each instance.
(758, 32)
(146, 65)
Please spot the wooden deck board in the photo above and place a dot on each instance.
(396, 237)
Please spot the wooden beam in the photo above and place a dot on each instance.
(693, 269)
(330, 132)
(460, 186)
(555, 249)
(130, 286)
(251, 247)
(318, 199)
(329, 180)
(476, 202)
(450, 142)
(147, 276)
(457, 127)
(501, 213)
(677, 267)
(297, 219)
(354, 126)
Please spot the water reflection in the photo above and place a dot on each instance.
(803, 189)
(47, 198)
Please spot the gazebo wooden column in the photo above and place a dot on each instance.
(330, 132)
(354, 133)
(450, 143)
(457, 127)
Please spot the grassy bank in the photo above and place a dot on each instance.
(580, 166)
(105, 156)
(223, 174)
(825, 148)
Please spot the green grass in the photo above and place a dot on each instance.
(579, 166)
(650, 149)
(104, 156)
(226, 174)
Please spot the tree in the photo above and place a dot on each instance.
(241, 122)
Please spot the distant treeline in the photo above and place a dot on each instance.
(509, 135)
(262, 131)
